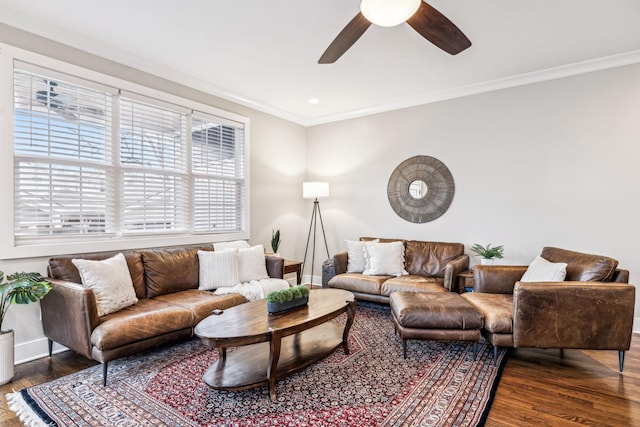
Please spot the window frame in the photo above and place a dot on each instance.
(8, 247)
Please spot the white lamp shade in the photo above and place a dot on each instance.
(388, 13)
(315, 190)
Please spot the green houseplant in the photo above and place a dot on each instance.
(286, 299)
(275, 240)
(19, 288)
(488, 252)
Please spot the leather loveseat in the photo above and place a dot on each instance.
(592, 309)
(169, 303)
(431, 267)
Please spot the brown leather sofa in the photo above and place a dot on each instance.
(168, 308)
(592, 309)
(432, 267)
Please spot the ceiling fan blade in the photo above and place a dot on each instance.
(435, 27)
(347, 37)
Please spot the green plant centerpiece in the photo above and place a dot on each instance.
(20, 288)
(286, 299)
(275, 240)
(488, 252)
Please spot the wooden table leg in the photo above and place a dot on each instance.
(351, 311)
(274, 356)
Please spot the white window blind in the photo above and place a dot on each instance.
(62, 170)
(153, 155)
(218, 167)
(97, 161)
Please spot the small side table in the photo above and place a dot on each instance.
(465, 281)
(291, 266)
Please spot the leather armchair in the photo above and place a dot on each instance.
(593, 312)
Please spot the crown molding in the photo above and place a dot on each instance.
(583, 67)
(548, 74)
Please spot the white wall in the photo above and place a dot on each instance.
(549, 164)
(277, 160)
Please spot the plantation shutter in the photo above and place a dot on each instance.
(63, 177)
(218, 169)
(153, 159)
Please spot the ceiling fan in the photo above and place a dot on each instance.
(422, 17)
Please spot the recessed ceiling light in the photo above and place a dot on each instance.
(313, 101)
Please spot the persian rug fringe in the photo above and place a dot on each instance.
(23, 410)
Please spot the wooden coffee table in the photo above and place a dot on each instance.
(272, 346)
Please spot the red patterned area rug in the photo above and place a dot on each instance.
(439, 384)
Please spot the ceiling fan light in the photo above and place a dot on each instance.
(388, 13)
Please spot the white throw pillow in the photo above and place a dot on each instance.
(236, 244)
(218, 269)
(356, 261)
(541, 270)
(110, 282)
(251, 264)
(384, 259)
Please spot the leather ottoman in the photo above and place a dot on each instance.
(434, 316)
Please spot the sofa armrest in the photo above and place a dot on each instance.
(620, 276)
(275, 266)
(452, 269)
(332, 266)
(588, 315)
(340, 262)
(497, 279)
(328, 271)
(69, 315)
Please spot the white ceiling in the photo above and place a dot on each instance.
(263, 53)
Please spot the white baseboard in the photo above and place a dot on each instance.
(316, 280)
(36, 349)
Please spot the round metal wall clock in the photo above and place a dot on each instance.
(420, 189)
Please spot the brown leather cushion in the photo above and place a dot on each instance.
(61, 267)
(201, 303)
(412, 284)
(171, 270)
(430, 258)
(434, 310)
(582, 267)
(497, 310)
(356, 282)
(143, 320)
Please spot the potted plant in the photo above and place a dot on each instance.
(286, 299)
(275, 241)
(19, 288)
(488, 254)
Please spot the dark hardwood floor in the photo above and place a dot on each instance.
(568, 388)
(538, 387)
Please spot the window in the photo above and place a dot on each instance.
(62, 158)
(153, 160)
(218, 169)
(92, 161)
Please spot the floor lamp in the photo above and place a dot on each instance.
(314, 190)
